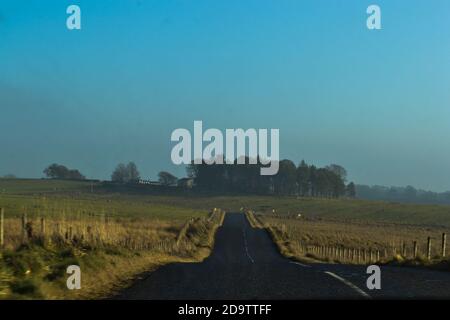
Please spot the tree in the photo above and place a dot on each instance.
(125, 173)
(120, 173)
(285, 179)
(339, 170)
(56, 171)
(75, 175)
(312, 180)
(133, 173)
(410, 193)
(351, 190)
(166, 178)
(303, 179)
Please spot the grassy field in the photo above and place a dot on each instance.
(352, 210)
(49, 225)
(114, 236)
(73, 193)
(321, 238)
(354, 231)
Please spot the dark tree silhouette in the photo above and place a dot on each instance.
(125, 173)
(56, 171)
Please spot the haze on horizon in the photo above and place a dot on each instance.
(375, 102)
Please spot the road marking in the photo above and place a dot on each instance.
(300, 264)
(246, 247)
(348, 283)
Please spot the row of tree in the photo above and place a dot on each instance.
(126, 173)
(303, 180)
(57, 171)
(123, 173)
(402, 194)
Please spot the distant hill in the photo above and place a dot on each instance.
(401, 194)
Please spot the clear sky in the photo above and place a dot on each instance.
(376, 102)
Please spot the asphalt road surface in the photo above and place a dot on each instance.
(245, 264)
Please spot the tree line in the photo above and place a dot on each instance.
(402, 194)
(301, 180)
(57, 171)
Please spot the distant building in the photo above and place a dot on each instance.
(187, 183)
(149, 182)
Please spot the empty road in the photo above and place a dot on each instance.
(245, 264)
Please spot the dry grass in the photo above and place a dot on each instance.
(108, 242)
(351, 241)
(92, 232)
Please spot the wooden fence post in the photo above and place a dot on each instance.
(429, 248)
(24, 227)
(415, 249)
(2, 227)
(403, 249)
(43, 227)
(444, 243)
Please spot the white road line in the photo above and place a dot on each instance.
(348, 283)
(246, 247)
(300, 264)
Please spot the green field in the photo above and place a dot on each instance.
(36, 194)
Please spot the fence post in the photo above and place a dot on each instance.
(43, 227)
(429, 248)
(24, 227)
(2, 235)
(415, 249)
(444, 243)
(403, 249)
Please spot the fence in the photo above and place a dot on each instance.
(101, 231)
(361, 255)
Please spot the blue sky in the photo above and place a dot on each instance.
(376, 102)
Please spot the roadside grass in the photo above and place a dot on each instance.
(36, 269)
(112, 237)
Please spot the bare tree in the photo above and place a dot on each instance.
(125, 173)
